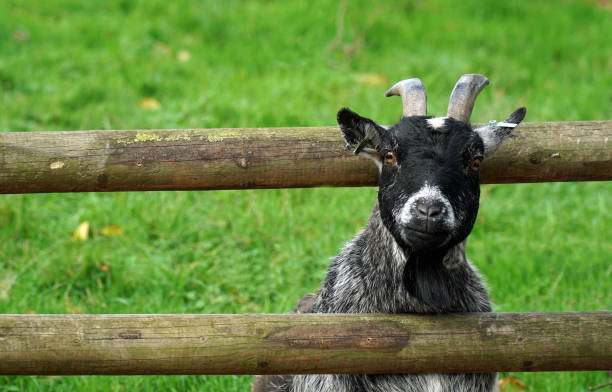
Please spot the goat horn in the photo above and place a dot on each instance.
(463, 96)
(414, 97)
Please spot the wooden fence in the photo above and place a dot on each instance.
(304, 343)
(93, 161)
(139, 160)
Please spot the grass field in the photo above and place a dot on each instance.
(68, 64)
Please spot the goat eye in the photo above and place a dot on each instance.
(390, 157)
(475, 165)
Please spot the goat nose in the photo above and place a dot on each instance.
(430, 209)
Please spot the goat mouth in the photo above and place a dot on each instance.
(420, 239)
(420, 233)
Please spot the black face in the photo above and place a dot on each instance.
(428, 189)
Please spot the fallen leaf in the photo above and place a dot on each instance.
(149, 103)
(603, 4)
(112, 230)
(372, 79)
(82, 232)
(21, 36)
(162, 48)
(183, 56)
(511, 384)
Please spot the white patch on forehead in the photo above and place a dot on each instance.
(436, 122)
(427, 193)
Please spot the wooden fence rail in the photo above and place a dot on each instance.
(304, 343)
(136, 160)
(91, 161)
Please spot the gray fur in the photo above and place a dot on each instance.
(366, 278)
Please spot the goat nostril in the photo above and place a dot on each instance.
(429, 209)
(422, 208)
(434, 211)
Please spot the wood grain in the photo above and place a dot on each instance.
(303, 343)
(206, 159)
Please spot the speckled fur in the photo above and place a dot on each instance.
(365, 278)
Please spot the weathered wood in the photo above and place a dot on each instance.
(136, 160)
(304, 343)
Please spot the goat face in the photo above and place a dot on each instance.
(429, 193)
(429, 169)
(428, 187)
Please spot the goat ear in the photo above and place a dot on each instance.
(361, 134)
(493, 136)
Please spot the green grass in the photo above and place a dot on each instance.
(67, 64)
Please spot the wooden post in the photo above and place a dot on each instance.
(303, 343)
(101, 161)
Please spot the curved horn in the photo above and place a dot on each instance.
(463, 96)
(414, 97)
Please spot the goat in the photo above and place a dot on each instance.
(410, 258)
